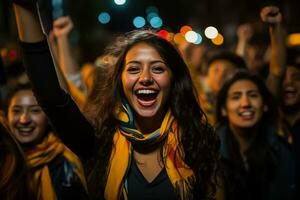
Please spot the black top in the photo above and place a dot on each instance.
(78, 133)
(139, 188)
(65, 116)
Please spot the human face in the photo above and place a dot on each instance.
(291, 87)
(26, 118)
(146, 81)
(217, 72)
(244, 105)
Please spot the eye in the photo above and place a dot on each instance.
(133, 69)
(254, 94)
(16, 110)
(235, 97)
(36, 110)
(158, 69)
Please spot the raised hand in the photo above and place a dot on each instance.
(62, 26)
(271, 15)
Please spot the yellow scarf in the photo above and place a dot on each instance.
(180, 175)
(44, 153)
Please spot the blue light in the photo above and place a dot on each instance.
(199, 39)
(156, 22)
(151, 9)
(151, 15)
(139, 22)
(104, 18)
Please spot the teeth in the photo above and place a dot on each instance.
(247, 113)
(146, 91)
(290, 89)
(25, 129)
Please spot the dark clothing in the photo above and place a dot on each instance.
(57, 104)
(139, 188)
(244, 181)
(78, 132)
(66, 183)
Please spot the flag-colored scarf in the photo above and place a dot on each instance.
(180, 175)
(41, 155)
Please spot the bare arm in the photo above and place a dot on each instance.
(272, 16)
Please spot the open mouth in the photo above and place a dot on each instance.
(25, 130)
(246, 114)
(290, 91)
(146, 95)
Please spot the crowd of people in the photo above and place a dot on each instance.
(149, 119)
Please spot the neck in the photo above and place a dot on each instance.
(244, 137)
(292, 117)
(148, 125)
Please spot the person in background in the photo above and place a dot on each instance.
(220, 67)
(58, 173)
(150, 138)
(256, 163)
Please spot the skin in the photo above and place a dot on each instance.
(145, 71)
(244, 105)
(26, 119)
(291, 87)
(217, 72)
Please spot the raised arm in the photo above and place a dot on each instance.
(272, 16)
(75, 131)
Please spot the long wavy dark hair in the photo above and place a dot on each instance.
(238, 182)
(198, 138)
(14, 175)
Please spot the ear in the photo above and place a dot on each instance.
(266, 108)
(223, 112)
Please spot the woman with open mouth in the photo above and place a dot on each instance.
(148, 138)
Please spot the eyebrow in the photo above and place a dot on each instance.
(152, 62)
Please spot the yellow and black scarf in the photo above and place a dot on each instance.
(41, 155)
(180, 175)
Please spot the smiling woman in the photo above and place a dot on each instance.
(149, 137)
(43, 149)
(256, 163)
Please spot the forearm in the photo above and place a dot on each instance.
(67, 62)
(28, 24)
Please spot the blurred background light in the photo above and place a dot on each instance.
(211, 32)
(120, 2)
(156, 22)
(219, 40)
(139, 22)
(103, 17)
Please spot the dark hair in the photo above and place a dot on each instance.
(269, 116)
(237, 181)
(198, 140)
(12, 91)
(236, 60)
(14, 175)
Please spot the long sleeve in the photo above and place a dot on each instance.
(67, 120)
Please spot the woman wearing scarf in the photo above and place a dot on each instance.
(147, 137)
(57, 172)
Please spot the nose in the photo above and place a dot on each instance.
(146, 78)
(287, 80)
(245, 102)
(24, 118)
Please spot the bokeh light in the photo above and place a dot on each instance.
(120, 2)
(151, 15)
(178, 38)
(199, 39)
(156, 22)
(211, 32)
(219, 40)
(185, 29)
(293, 39)
(139, 22)
(191, 36)
(104, 18)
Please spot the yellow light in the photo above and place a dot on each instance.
(179, 38)
(218, 40)
(293, 39)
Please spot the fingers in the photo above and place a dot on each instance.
(271, 15)
(62, 26)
